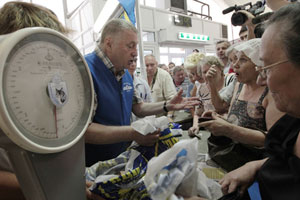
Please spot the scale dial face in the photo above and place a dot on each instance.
(30, 68)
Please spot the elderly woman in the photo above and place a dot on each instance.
(209, 65)
(190, 65)
(222, 100)
(240, 138)
(212, 71)
(231, 54)
(278, 176)
(192, 62)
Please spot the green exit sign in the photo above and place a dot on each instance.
(191, 36)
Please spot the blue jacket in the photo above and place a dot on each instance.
(114, 107)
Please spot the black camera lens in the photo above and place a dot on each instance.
(238, 19)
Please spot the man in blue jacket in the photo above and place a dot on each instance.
(110, 133)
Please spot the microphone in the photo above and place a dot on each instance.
(261, 18)
(228, 10)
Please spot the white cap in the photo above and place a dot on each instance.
(251, 50)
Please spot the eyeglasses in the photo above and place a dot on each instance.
(263, 70)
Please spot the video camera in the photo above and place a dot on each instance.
(238, 18)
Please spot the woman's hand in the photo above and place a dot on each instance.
(241, 178)
(218, 126)
(193, 131)
(211, 76)
(199, 109)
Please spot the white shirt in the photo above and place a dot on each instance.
(163, 88)
(142, 88)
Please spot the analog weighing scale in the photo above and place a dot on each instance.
(46, 103)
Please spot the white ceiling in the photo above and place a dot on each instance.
(237, 2)
(242, 2)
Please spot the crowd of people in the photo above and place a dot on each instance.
(248, 91)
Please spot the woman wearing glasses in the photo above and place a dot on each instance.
(278, 175)
(240, 138)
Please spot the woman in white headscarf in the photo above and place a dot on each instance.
(278, 176)
(240, 138)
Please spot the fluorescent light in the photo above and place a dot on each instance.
(108, 9)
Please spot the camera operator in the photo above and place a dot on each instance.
(244, 15)
(273, 4)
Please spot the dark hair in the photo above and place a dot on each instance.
(196, 50)
(177, 69)
(243, 29)
(288, 18)
(161, 65)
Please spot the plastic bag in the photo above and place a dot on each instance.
(175, 171)
(173, 167)
(122, 177)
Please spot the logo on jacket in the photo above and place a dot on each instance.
(127, 87)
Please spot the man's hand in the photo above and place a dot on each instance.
(89, 194)
(250, 26)
(179, 103)
(249, 17)
(146, 140)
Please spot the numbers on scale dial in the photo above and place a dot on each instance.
(33, 67)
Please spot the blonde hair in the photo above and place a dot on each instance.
(17, 15)
(193, 60)
(210, 60)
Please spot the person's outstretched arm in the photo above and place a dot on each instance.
(176, 103)
(241, 178)
(102, 134)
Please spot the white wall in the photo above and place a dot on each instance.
(161, 22)
(216, 8)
